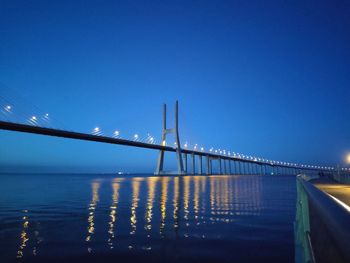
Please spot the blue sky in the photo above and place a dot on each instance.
(266, 78)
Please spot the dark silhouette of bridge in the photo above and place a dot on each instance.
(227, 163)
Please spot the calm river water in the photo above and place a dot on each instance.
(104, 218)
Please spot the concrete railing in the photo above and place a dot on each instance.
(335, 217)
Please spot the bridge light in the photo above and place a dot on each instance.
(136, 137)
(116, 134)
(185, 145)
(348, 158)
(33, 118)
(202, 149)
(96, 129)
(8, 108)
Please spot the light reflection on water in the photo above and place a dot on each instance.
(208, 217)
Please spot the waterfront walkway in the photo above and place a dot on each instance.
(335, 189)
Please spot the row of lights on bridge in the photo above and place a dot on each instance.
(32, 119)
(151, 140)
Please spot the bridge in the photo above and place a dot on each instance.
(228, 163)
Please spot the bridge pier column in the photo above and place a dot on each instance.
(220, 165)
(185, 162)
(208, 164)
(193, 164)
(229, 167)
(200, 165)
(225, 171)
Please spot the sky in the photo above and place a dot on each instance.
(263, 78)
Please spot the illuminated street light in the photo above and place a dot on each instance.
(116, 134)
(96, 131)
(136, 137)
(8, 108)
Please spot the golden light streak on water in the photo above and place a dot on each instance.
(24, 236)
(113, 212)
(186, 182)
(151, 184)
(212, 195)
(204, 196)
(196, 180)
(95, 186)
(135, 203)
(163, 202)
(176, 203)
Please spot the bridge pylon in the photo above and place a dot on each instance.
(165, 132)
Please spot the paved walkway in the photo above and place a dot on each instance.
(339, 191)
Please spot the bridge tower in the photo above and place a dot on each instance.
(165, 132)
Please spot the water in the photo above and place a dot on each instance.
(103, 218)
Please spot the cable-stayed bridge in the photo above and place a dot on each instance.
(195, 160)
